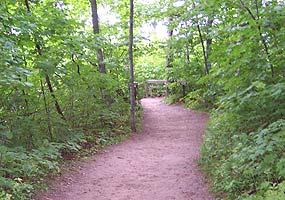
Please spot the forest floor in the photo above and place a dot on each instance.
(159, 163)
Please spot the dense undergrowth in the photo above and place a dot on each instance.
(243, 151)
(24, 170)
(54, 100)
(232, 56)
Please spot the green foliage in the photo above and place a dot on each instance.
(270, 192)
(150, 67)
(249, 163)
(242, 45)
(21, 168)
(53, 100)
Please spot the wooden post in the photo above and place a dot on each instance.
(184, 84)
(163, 83)
(136, 90)
(131, 59)
(146, 89)
(183, 90)
(167, 89)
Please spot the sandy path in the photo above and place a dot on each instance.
(160, 163)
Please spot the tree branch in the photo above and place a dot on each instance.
(260, 34)
(27, 5)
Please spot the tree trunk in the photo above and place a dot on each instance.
(169, 58)
(27, 5)
(57, 106)
(203, 45)
(47, 110)
(263, 40)
(204, 50)
(96, 30)
(132, 89)
(208, 42)
(169, 54)
(39, 50)
(187, 54)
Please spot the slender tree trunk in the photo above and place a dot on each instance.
(27, 5)
(169, 54)
(205, 57)
(132, 89)
(169, 57)
(57, 106)
(265, 46)
(188, 46)
(47, 110)
(204, 50)
(187, 50)
(39, 50)
(208, 42)
(96, 30)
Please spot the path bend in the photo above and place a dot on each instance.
(160, 163)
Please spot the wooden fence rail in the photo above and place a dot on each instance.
(157, 84)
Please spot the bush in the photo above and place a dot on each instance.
(243, 164)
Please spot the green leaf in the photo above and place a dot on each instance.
(258, 85)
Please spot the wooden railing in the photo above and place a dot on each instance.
(156, 84)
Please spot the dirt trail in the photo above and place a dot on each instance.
(160, 163)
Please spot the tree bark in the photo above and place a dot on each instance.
(96, 30)
(169, 58)
(47, 110)
(169, 54)
(39, 50)
(204, 50)
(208, 42)
(265, 46)
(132, 89)
(27, 5)
(187, 50)
(57, 106)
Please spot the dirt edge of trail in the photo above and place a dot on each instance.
(160, 163)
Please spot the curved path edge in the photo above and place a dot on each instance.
(160, 163)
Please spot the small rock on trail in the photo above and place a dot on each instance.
(160, 163)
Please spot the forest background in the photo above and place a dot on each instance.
(60, 95)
